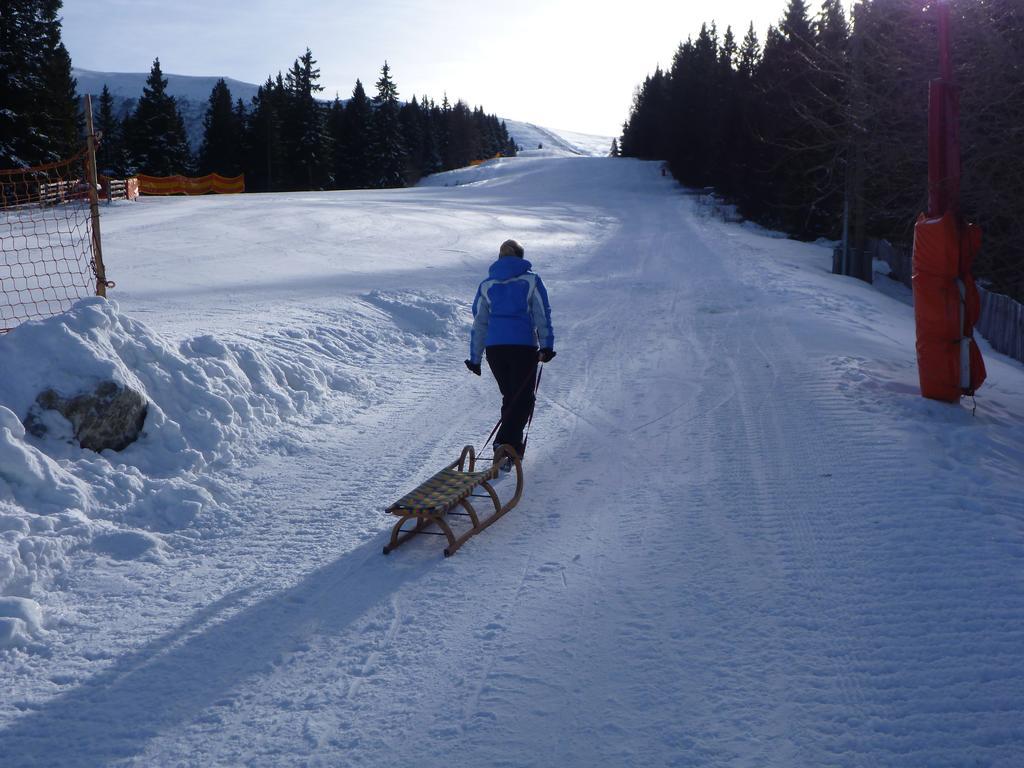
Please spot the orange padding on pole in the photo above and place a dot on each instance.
(946, 307)
(185, 185)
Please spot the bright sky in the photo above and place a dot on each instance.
(566, 64)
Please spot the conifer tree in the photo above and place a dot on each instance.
(304, 129)
(357, 168)
(263, 142)
(39, 120)
(59, 99)
(221, 134)
(510, 145)
(749, 145)
(241, 130)
(155, 133)
(443, 122)
(614, 151)
(787, 76)
(410, 119)
(830, 155)
(338, 141)
(463, 136)
(19, 34)
(110, 155)
(389, 151)
(430, 117)
(646, 134)
(704, 119)
(729, 51)
(832, 30)
(749, 54)
(730, 131)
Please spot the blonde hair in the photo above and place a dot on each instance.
(511, 248)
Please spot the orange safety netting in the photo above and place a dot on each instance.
(47, 261)
(187, 185)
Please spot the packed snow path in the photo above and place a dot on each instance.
(745, 540)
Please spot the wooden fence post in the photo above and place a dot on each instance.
(94, 202)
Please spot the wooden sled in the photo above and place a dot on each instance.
(436, 499)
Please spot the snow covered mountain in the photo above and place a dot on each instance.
(192, 94)
(129, 85)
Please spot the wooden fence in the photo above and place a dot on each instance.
(1002, 323)
(63, 191)
(119, 189)
(1002, 318)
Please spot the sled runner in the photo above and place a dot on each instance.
(437, 499)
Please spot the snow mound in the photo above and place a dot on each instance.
(209, 403)
(419, 313)
(21, 621)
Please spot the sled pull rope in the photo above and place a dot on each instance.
(536, 386)
(536, 389)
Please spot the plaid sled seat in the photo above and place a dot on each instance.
(440, 493)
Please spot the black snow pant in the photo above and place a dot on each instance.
(515, 368)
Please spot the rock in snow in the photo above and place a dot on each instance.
(111, 416)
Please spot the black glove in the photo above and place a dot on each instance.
(546, 355)
(474, 367)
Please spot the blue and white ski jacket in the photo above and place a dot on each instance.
(511, 307)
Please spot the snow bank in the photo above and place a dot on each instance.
(213, 405)
(209, 403)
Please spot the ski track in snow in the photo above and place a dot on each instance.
(745, 539)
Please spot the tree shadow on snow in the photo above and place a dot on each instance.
(172, 680)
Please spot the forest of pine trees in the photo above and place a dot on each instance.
(828, 112)
(285, 139)
(288, 139)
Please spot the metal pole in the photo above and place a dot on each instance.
(945, 57)
(94, 202)
(943, 128)
(844, 268)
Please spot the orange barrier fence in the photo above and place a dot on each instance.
(185, 185)
(474, 163)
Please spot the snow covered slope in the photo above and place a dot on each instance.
(530, 137)
(745, 539)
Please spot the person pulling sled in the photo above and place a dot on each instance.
(512, 322)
